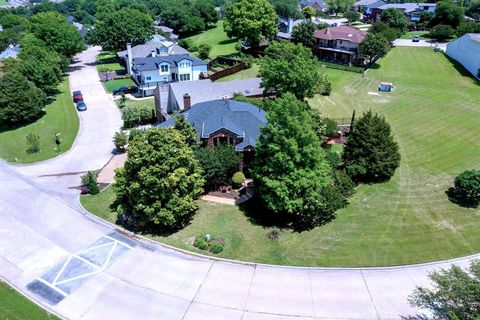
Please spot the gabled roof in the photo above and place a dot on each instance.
(206, 90)
(363, 3)
(474, 36)
(11, 52)
(406, 7)
(242, 119)
(342, 32)
(157, 42)
(153, 63)
(309, 3)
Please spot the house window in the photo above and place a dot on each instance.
(148, 78)
(164, 68)
(185, 77)
(164, 50)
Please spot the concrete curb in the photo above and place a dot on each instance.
(142, 239)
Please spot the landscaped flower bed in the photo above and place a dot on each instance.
(207, 243)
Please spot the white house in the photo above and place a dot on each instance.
(150, 72)
(466, 50)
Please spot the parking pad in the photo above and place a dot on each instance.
(64, 278)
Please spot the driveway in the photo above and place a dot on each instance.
(82, 268)
(421, 43)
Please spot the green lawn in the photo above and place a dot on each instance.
(217, 38)
(409, 35)
(3, 2)
(107, 61)
(244, 74)
(150, 103)
(406, 220)
(14, 306)
(113, 84)
(60, 116)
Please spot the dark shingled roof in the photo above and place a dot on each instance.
(241, 118)
(152, 63)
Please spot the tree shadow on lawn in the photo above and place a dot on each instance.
(227, 41)
(454, 197)
(461, 69)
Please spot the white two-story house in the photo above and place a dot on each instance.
(155, 70)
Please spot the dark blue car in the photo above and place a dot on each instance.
(121, 89)
(81, 106)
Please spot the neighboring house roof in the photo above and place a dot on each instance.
(466, 50)
(310, 3)
(474, 36)
(158, 41)
(343, 32)
(241, 118)
(165, 29)
(11, 52)
(153, 63)
(206, 90)
(330, 22)
(363, 3)
(406, 7)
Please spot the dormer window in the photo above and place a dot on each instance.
(164, 50)
(164, 68)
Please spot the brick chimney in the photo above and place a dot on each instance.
(129, 58)
(187, 102)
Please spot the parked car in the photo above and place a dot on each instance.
(416, 39)
(81, 106)
(77, 96)
(121, 89)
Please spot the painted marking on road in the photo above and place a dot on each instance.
(67, 276)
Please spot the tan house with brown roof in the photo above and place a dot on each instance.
(339, 44)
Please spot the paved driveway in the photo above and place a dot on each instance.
(81, 268)
(421, 43)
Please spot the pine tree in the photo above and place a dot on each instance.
(370, 153)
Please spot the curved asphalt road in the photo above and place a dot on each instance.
(82, 269)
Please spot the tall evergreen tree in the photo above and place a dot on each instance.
(187, 131)
(371, 154)
(290, 169)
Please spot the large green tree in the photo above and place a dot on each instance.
(467, 188)
(115, 29)
(182, 18)
(455, 293)
(187, 131)
(448, 13)
(338, 6)
(395, 18)
(39, 64)
(371, 154)
(290, 169)
(160, 181)
(288, 67)
(251, 20)
(57, 33)
(20, 100)
(303, 34)
(374, 46)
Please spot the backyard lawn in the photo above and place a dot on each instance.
(113, 84)
(409, 35)
(139, 103)
(217, 39)
(60, 116)
(107, 61)
(406, 220)
(15, 306)
(252, 72)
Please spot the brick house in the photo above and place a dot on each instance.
(339, 44)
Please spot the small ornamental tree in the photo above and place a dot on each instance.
(251, 20)
(238, 178)
(371, 154)
(120, 139)
(20, 100)
(187, 131)
(33, 141)
(467, 187)
(288, 67)
(303, 34)
(455, 293)
(373, 47)
(204, 51)
(159, 183)
(442, 32)
(290, 169)
(90, 180)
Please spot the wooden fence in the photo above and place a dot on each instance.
(226, 72)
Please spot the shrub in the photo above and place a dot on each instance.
(331, 127)
(90, 180)
(327, 88)
(33, 141)
(216, 248)
(238, 178)
(120, 140)
(204, 51)
(442, 32)
(135, 133)
(136, 116)
(201, 243)
(274, 234)
(467, 187)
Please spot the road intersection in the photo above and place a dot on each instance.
(56, 254)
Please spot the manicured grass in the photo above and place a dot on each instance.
(113, 84)
(244, 74)
(409, 35)
(107, 61)
(100, 204)
(149, 103)
(15, 306)
(217, 39)
(406, 220)
(60, 116)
